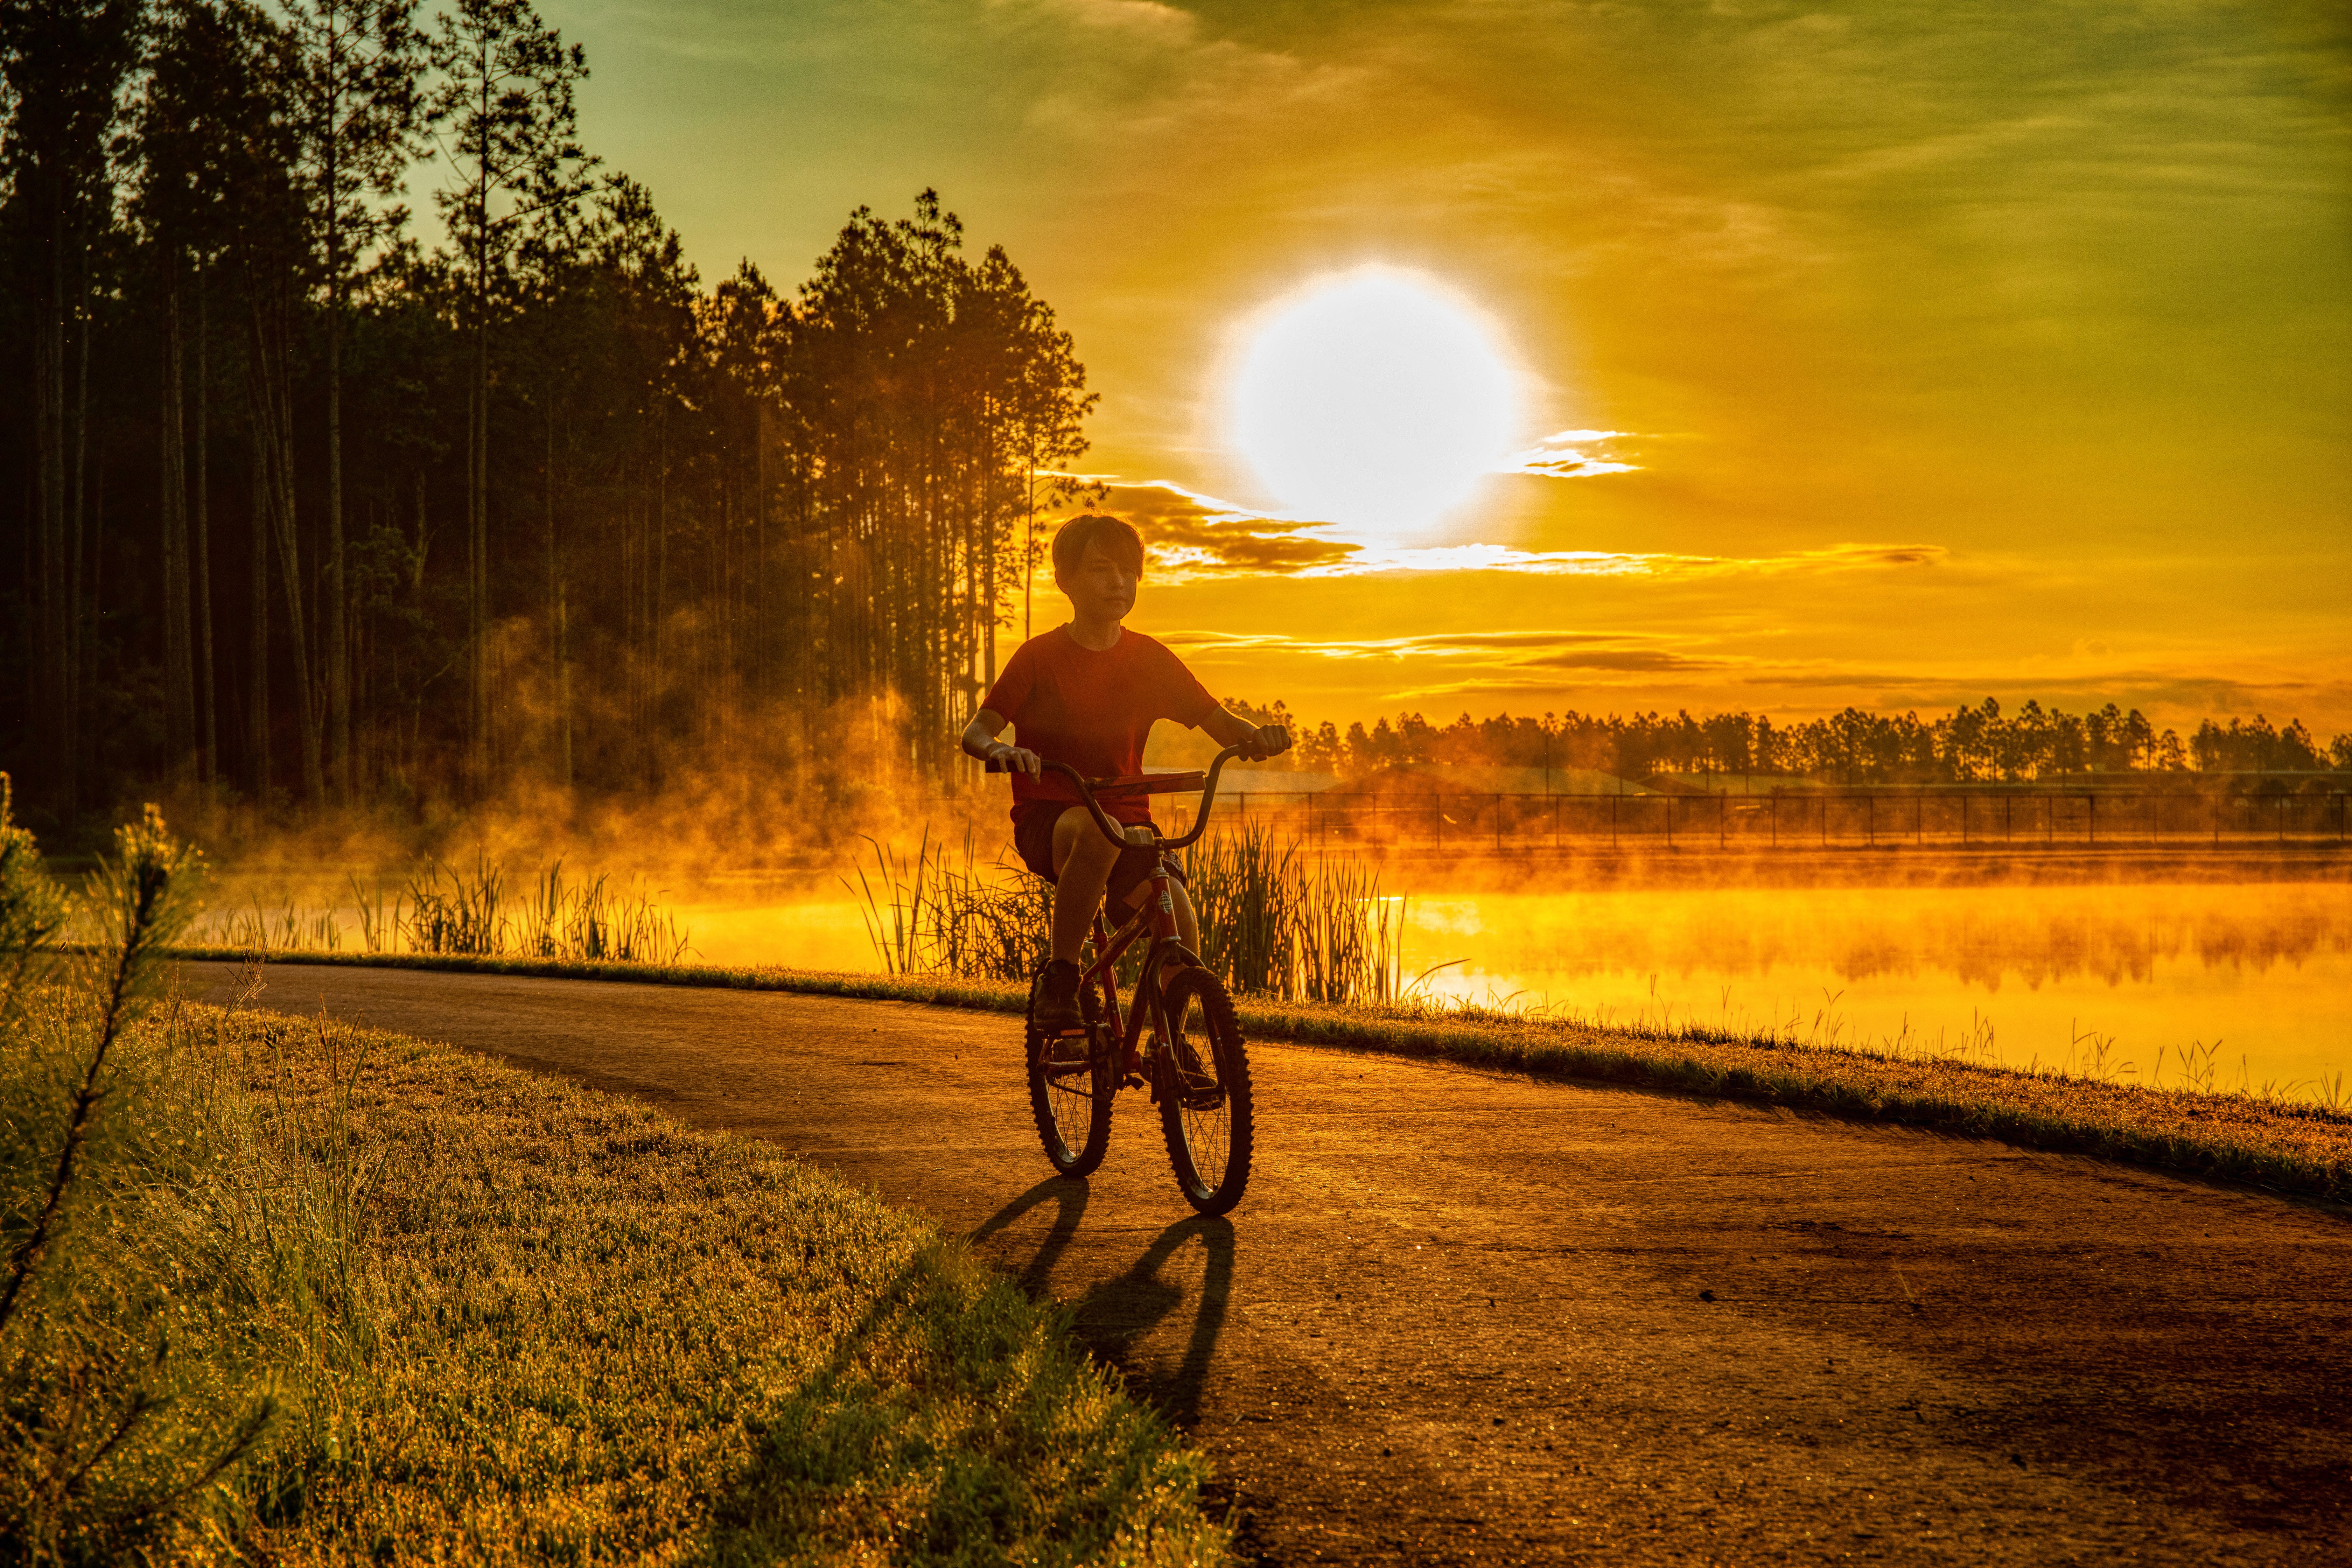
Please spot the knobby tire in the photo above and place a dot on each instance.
(1210, 1131)
(1062, 1106)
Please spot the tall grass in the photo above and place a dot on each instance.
(443, 908)
(1274, 923)
(942, 911)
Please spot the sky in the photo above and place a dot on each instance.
(1895, 353)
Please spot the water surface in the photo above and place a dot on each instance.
(2232, 984)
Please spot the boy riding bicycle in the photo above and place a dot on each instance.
(1088, 694)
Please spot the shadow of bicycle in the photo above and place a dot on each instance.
(1123, 1320)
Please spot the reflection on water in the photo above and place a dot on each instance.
(2256, 979)
(2254, 982)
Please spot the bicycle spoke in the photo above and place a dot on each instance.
(1204, 1092)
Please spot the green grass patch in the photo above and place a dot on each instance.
(2288, 1145)
(436, 1308)
(283, 1290)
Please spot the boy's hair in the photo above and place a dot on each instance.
(1113, 536)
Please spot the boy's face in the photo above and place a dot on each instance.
(1100, 588)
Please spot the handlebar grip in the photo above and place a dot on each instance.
(992, 765)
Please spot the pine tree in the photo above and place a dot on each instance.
(508, 126)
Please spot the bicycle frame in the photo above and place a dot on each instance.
(1157, 915)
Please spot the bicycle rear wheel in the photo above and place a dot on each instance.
(1203, 1082)
(1071, 1097)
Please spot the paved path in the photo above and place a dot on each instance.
(1465, 1317)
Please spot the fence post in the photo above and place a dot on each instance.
(1498, 824)
(1870, 819)
(1612, 821)
(1670, 821)
(1722, 820)
(1555, 824)
(2091, 819)
(1920, 816)
(1776, 822)
(1438, 799)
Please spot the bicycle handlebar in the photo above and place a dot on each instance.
(1114, 830)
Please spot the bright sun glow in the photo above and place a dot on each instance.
(1374, 401)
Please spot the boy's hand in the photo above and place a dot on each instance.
(1015, 759)
(1271, 741)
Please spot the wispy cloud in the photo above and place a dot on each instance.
(1190, 536)
(1451, 663)
(1570, 455)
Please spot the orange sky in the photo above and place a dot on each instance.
(1999, 349)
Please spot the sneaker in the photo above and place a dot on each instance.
(1054, 1004)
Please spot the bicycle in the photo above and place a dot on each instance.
(1195, 1063)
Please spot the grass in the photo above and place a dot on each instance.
(291, 1291)
(1272, 922)
(443, 908)
(2287, 1145)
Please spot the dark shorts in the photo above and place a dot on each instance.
(1033, 838)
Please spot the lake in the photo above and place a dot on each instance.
(2230, 984)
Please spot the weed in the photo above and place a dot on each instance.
(1273, 922)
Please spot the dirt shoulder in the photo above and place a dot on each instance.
(1473, 1316)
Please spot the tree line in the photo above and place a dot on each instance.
(304, 507)
(1969, 745)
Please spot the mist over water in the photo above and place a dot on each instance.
(2219, 983)
(2253, 982)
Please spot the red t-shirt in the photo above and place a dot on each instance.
(1070, 703)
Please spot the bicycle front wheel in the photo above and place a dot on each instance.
(1203, 1081)
(1071, 1082)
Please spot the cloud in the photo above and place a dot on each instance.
(1562, 456)
(1480, 647)
(1189, 536)
(1450, 663)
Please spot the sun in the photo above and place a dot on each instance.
(1375, 401)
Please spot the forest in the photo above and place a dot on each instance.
(1977, 744)
(304, 512)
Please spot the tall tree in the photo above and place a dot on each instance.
(193, 98)
(357, 64)
(505, 106)
(64, 62)
(273, 257)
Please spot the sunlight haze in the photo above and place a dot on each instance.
(1886, 354)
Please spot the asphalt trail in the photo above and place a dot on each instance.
(1467, 1317)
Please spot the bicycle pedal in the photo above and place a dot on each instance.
(1132, 1082)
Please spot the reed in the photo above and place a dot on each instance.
(950, 912)
(1274, 923)
(449, 909)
